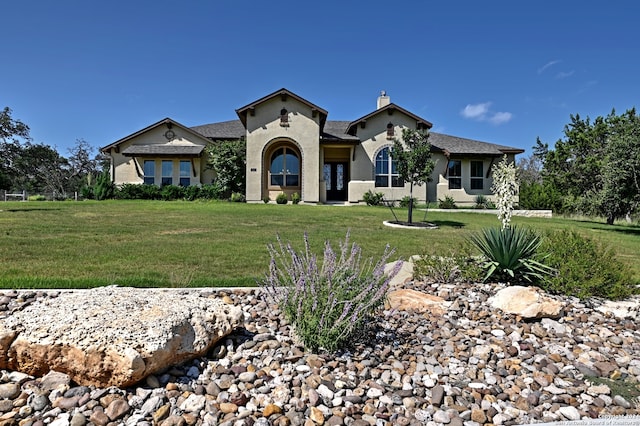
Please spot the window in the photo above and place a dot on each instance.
(149, 172)
(167, 172)
(387, 170)
(185, 173)
(454, 174)
(284, 117)
(285, 168)
(477, 178)
(390, 131)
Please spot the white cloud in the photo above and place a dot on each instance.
(500, 117)
(477, 111)
(482, 112)
(564, 74)
(547, 65)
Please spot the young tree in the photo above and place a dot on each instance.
(412, 155)
(228, 161)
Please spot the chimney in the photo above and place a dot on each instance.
(383, 99)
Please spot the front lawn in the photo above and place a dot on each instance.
(182, 244)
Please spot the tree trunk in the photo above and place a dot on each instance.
(411, 203)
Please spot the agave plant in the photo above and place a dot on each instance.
(511, 253)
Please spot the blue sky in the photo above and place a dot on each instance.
(505, 72)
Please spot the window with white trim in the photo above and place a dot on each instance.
(284, 168)
(167, 172)
(185, 173)
(387, 170)
(149, 170)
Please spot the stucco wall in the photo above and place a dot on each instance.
(264, 129)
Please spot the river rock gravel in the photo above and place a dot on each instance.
(470, 366)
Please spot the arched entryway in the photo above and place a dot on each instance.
(283, 169)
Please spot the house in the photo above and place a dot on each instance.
(293, 148)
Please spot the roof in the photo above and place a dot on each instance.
(458, 146)
(159, 150)
(390, 108)
(336, 131)
(165, 121)
(284, 94)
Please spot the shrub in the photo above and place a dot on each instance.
(282, 198)
(404, 203)
(266, 199)
(191, 193)
(104, 188)
(511, 254)
(330, 303)
(448, 267)
(481, 201)
(87, 192)
(211, 192)
(585, 268)
(171, 192)
(373, 199)
(36, 198)
(295, 198)
(150, 192)
(447, 203)
(237, 197)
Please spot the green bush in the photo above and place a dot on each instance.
(447, 203)
(373, 198)
(329, 302)
(191, 193)
(282, 198)
(481, 201)
(448, 267)
(295, 198)
(511, 254)
(404, 203)
(36, 198)
(237, 197)
(585, 268)
(172, 192)
(211, 192)
(266, 199)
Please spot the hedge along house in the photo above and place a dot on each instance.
(293, 148)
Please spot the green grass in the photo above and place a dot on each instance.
(182, 244)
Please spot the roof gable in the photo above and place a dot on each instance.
(284, 94)
(390, 109)
(165, 121)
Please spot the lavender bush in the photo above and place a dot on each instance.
(328, 302)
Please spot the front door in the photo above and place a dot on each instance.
(335, 178)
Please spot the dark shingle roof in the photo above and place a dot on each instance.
(336, 131)
(456, 145)
(232, 129)
(161, 150)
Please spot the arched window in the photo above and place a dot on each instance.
(284, 168)
(387, 170)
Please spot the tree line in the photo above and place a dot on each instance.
(594, 170)
(38, 168)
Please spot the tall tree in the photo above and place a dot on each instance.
(11, 131)
(412, 155)
(620, 194)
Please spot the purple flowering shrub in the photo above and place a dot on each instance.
(327, 302)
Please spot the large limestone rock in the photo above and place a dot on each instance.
(416, 301)
(113, 336)
(527, 302)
